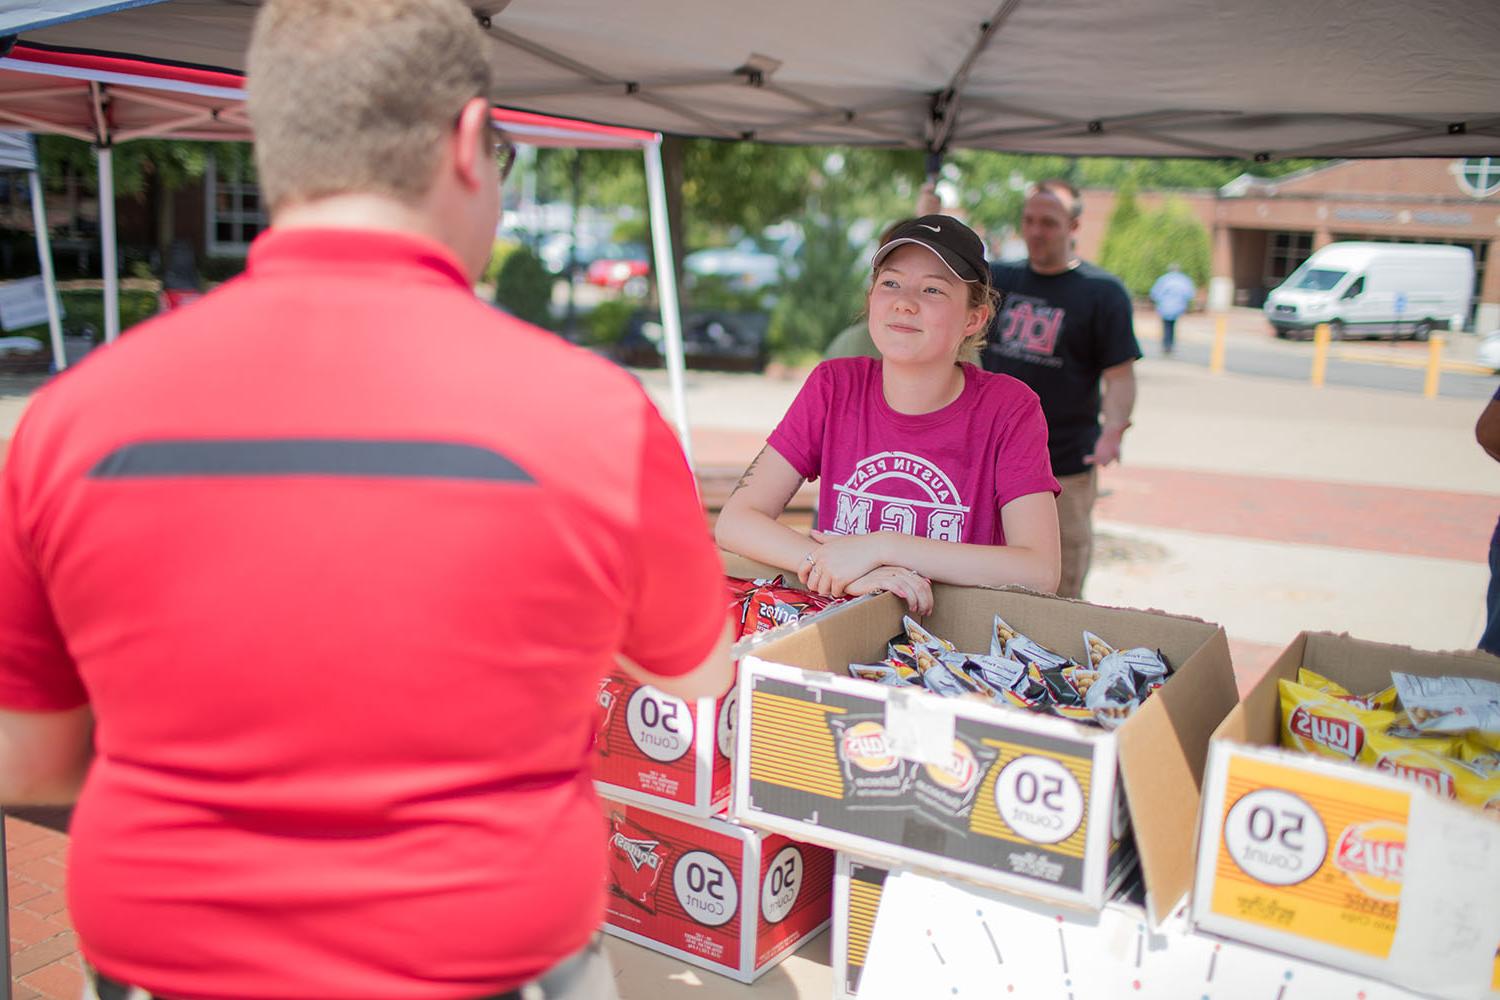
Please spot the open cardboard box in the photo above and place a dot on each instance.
(1023, 802)
(1341, 863)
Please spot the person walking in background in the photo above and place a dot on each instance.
(1065, 329)
(1172, 293)
(339, 603)
(1487, 432)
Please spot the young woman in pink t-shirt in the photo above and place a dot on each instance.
(930, 468)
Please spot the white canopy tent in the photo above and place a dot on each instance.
(1267, 80)
(18, 152)
(107, 100)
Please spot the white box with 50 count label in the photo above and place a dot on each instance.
(1363, 869)
(995, 795)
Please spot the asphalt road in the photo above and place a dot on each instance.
(1293, 360)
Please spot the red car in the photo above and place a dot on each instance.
(622, 266)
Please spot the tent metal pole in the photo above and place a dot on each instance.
(49, 279)
(107, 244)
(666, 291)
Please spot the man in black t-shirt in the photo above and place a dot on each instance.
(1064, 328)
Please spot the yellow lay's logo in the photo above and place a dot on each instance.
(1373, 855)
(1343, 736)
(866, 747)
(960, 772)
(1435, 780)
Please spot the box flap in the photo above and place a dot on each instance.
(749, 569)
(1257, 718)
(1163, 749)
(1363, 666)
(863, 627)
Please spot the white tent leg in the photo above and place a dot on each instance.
(49, 280)
(666, 293)
(107, 246)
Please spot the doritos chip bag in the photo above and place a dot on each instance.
(636, 862)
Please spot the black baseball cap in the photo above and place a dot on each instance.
(959, 246)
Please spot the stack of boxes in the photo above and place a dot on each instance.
(684, 879)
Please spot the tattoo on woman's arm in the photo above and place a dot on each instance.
(749, 471)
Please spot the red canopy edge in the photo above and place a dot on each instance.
(133, 67)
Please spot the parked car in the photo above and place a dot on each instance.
(621, 266)
(743, 266)
(1374, 289)
(554, 250)
(715, 339)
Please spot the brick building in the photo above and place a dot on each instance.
(1262, 229)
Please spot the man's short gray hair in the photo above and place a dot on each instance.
(354, 96)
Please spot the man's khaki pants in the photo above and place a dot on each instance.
(1075, 521)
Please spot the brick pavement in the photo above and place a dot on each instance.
(1439, 524)
(45, 964)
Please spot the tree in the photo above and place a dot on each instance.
(827, 293)
(1122, 226)
(1150, 242)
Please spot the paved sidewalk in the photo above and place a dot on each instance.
(45, 964)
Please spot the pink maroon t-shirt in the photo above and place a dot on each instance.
(945, 474)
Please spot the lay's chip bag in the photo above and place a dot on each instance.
(1325, 725)
(1384, 699)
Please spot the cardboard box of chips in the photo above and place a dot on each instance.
(976, 789)
(1370, 866)
(731, 900)
(666, 753)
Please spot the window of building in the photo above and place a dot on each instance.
(1480, 175)
(234, 212)
(1285, 252)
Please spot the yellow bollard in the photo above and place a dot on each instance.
(1434, 365)
(1216, 360)
(1321, 337)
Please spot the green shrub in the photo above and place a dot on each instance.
(717, 292)
(827, 294)
(607, 323)
(498, 254)
(1149, 243)
(523, 287)
(85, 307)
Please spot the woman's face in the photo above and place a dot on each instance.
(919, 312)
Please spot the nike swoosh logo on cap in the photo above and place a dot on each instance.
(926, 226)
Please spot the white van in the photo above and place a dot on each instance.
(1374, 289)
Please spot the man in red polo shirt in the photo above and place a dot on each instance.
(314, 579)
